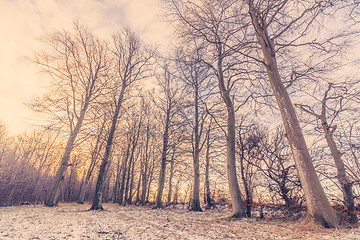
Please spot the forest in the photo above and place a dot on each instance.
(255, 104)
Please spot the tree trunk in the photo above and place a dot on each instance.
(145, 166)
(207, 168)
(86, 182)
(130, 177)
(158, 201)
(318, 206)
(129, 200)
(195, 204)
(117, 181)
(83, 188)
(127, 184)
(170, 180)
(106, 191)
(150, 177)
(289, 202)
(123, 175)
(235, 194)
(175, 200)
(60, 173)
(248, 199)
(236, 199)
(97, 200)
(70, 189)
(138, 191)
(346, 186)
(94, 156)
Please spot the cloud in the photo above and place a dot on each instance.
(145, 17)
(22, 22)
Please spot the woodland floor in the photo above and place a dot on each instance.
(73, 221)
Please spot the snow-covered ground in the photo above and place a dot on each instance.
(73, 221)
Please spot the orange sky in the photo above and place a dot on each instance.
(23, 21)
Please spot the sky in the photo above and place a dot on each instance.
(23, 22)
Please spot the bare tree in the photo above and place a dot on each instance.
(171, 175)
(145, 162)
(196, 76)
(78, 66)
(343, 99)
(168, 106)
(276, 164)
(124, 165)
(25, 164)
(138, 122)
(271, 21)
(130, 65)
(208, 198)
(96, 149)
(214, 23)
(351, 153)
(248, 149)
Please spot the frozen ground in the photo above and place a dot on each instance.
(73, 221)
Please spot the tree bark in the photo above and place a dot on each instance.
(235, 194)
(97, 200)
(346, 186)
(150, 178)
(131, 188)
(128, 186)
(170, 181)
(158, 201)
(117, 181)
(60, 173)
(207, 170)
(248, 199)
(123, 175)
(128, 176)
(195, 204)
(79, 75)
(145, 167)
(137, 200)
(318, 206)
(94, 155)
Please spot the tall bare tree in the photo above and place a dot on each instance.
(273, 21)
(214, 23)
(147, 145)
(96, 149)
(136, 130)
(77, 62)
(328, 128)
(168, 104)
(208, 199)
(131, 64)
(196, 76)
